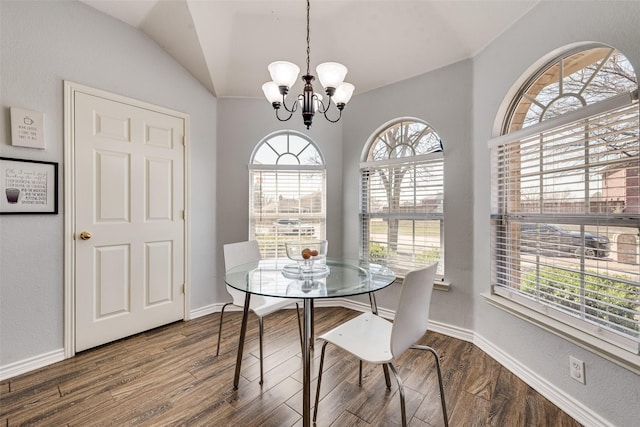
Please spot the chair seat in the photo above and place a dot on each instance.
(367, 337)
(267, 305)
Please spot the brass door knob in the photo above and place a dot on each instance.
(85, 235)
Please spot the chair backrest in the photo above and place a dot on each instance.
(237, 254)
(412, 314)
(240, 253)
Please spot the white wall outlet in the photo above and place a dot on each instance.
(576, 369)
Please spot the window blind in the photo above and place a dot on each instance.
(401, 212)
(566, 219)
(286, 204)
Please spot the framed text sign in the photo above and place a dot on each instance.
(28, 187)
(27, 128)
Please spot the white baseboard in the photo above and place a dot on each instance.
(30, 364)
(575, 409)
(208, 309)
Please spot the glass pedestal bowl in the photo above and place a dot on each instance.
(308, 255)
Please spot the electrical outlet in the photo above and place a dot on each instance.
(576, 369)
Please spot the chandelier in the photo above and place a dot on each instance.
(331, 76)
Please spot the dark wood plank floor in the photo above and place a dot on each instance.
(170, 376)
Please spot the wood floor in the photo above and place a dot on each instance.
(171, 376)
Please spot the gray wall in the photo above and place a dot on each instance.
(42, 44)
(611, 391)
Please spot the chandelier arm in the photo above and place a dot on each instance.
(321, 108)
(294, 106)
(281, 119)
(329, 119)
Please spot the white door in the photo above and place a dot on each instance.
(129, 219)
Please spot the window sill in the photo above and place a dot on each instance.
(439, 284)
(589, 342)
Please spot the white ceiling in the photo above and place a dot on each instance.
(227, 45)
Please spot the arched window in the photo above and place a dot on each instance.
(566, 206)
(401, 215)
(287, 197)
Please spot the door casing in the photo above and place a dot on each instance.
(69, 202)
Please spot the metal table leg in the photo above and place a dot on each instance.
(243, 332)
(306, 363)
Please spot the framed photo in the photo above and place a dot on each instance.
(28, 187)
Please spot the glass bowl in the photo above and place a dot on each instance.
(307, 252)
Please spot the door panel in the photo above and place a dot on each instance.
(112, 281)
(129, 181)
(113, 182)
(158, 189)
(158, 272)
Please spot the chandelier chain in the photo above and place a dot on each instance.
(308, 37)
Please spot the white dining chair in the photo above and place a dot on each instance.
(242, 253)
(373, 339)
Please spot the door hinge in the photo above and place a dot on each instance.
(184, 215)
(183, 288)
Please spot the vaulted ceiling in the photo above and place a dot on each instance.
(227, 45)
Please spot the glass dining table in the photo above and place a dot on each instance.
(331, 278)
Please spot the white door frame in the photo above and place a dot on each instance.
(70, 88)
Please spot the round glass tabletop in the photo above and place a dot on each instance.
(329, 279)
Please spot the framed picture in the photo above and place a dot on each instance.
(28, 187)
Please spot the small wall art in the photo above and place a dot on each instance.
(28, 187)
(27, 128)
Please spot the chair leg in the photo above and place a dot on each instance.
(387, 380)
(220, 328)
(435, 356)
(315, 409)
(261, 328)
(401, 390)
(360, 373)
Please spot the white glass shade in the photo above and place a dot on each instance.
(343, 93)
(272, 92)
(283, 73)
(331, 74)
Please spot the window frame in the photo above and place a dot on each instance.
(311, 224)
(414, 162)
(622, 351)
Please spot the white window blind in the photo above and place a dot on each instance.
(401, 212)
(287, 197)
(566, 219)
(286, 205)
